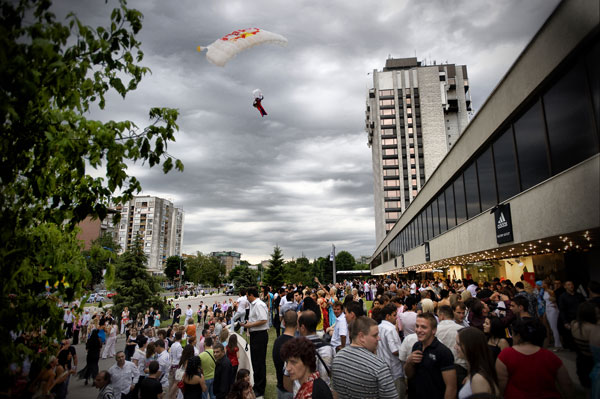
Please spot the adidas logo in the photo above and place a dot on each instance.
(501, 221)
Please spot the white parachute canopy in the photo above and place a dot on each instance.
(227, 47)
(256, 93)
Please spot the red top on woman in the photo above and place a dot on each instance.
(531, 376)
(232, 355)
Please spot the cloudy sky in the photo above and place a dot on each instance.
(300, 177)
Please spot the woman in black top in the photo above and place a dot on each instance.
(193, 380)
(300, 355)
(496, 335)
(93, 347)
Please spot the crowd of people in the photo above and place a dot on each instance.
(381, 338)
(435, 339)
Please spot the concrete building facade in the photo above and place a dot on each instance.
(92, 229)
(519, 191)
(415, 113)
(159, 224)
(230, 259)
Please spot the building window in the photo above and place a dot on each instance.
(450, 213)
(391, 172)
(391, 194)
(389, 141)
(435, 218)
(531, 147)
(392, 215)
(569, 120)
(409, 120)
(410, 131)
(392, 204)
(505, 165)
(487, 180)
(459, 200)
(391, 183)
(390, 151)
(388, 131)
(383, 93)
(390, 111)
(408, 101)
(408, 111)
(390, 162)
(387, 103)
(472, 191)
(388, 122)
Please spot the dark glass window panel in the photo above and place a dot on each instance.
(459, 200)
(419, 231)
(569, 120)
(472, 191)
(593, 66)
(487, 181)
(424, 224)
(506, 167)
(442, 209)
(385, 254)
(428, 219)
(530, 137)
(435, 217)
(450, 213)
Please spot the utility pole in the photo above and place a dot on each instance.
(332, 257)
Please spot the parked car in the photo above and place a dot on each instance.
(102, 292)
(95, 298)
(111, 294)
(230, 290)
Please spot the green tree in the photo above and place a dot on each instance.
(136, 287)
(324, 268)
(298, 271)
(101, 257)
(51, 77)
(212, 271)
(242, 276)
(274, 275)
(174, 263)
(344, 261)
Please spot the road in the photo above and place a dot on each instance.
(77, 389)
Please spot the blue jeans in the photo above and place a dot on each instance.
(209, 394)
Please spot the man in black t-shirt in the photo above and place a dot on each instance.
(430, 366)
(284, 384)
(177, 314)
(150, 387)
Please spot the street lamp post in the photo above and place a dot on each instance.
(332, 256)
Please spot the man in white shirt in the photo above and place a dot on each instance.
(258, 327)
(85, 320)
(124, 376)
(68, 319)
(175, 355)
(409, 316)
(389, 347)
(447, 329)
(189, 313)
(240, 313)
(340, 328)
(164, 361)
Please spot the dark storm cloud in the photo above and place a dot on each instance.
(301, 177)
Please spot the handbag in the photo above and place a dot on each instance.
(181, 385)
(179, 374)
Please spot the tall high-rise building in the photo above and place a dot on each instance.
(415, 113)
(159, 224)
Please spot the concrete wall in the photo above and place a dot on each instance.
(563, 204)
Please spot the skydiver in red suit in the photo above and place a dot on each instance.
(257, 104)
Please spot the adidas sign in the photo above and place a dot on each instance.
(502, 223)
